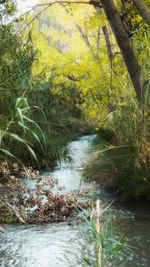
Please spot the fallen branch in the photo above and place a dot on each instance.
(15, 212)
(2, 230)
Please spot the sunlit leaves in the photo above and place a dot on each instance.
(85, 63)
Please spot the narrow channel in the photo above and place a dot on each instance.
(53, 245)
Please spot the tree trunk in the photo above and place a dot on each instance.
(123, 41)
(86, 40)
(108, 43)
(143, 10)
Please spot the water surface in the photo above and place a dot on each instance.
(53, 245)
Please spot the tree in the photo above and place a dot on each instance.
(122, 38)
(124, 44)
(143, 10)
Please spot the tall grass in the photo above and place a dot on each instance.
(103, 247)
(9, 138)
(122, 165)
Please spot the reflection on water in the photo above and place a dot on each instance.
(54, 245)
(137, 230)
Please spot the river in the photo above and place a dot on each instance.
(53, 245)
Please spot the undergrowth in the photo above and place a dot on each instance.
(120, 162)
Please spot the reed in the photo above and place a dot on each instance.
(103, 247)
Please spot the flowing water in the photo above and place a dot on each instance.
(53, 245)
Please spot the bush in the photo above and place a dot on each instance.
(122, 165)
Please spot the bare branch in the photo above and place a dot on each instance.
(15, 212)
(98, 41)
(68, 2)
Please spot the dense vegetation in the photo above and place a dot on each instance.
(69, 68)
(33, 108)
(60, 76)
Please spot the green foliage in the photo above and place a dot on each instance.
(122, 164)
(112, 245)
(7, 8)
(9, 137)
(65, 70)
(46, 106)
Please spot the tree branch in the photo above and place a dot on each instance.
(91, 2)
(143, 10)
(15, 212)
(2, 230)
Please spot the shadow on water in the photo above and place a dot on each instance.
(60, 244)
